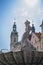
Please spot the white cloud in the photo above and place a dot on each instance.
(30, 10)
(31, 3)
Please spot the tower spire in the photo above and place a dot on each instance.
(14, 19)
(15, 27)
(33, 27)
(14, 36)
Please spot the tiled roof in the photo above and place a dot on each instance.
(37, 34)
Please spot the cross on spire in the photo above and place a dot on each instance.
(14, 19)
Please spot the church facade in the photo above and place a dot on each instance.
(30, 41)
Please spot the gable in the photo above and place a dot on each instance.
(34, 36)
(34, 39)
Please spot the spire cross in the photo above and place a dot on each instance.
(14, 19)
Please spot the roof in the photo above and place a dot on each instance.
(38, 35)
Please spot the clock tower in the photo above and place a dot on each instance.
(14, 37)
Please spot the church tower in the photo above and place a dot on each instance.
(14, 37)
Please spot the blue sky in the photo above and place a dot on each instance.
(20, 10)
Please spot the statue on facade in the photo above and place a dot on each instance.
(26, 34)
(27, 30)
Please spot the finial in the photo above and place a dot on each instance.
(14, 25)
(14, 19)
